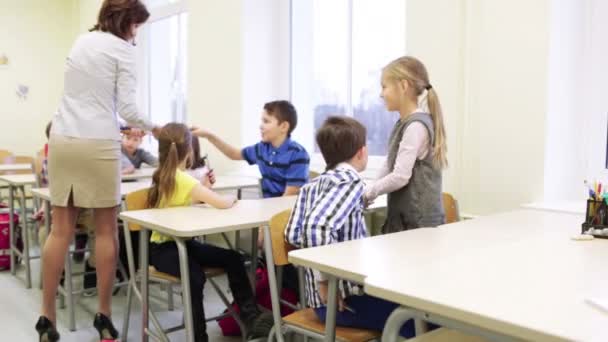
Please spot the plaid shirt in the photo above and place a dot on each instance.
(328, 210)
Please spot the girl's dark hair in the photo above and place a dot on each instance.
(196, 161)
(117, 16)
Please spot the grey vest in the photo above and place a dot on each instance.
(418, 203)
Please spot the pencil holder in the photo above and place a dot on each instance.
(596, 219)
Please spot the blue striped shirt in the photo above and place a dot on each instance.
(286, 165)
(328, 210)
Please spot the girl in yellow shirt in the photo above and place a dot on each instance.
(173, 187)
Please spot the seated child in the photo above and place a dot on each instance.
(132, 155)
(329, 210)
(173, 187)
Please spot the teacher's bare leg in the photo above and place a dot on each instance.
(106, 255)
(53, 255)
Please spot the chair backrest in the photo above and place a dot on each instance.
(5, 156)
(280, 248)
(450, 206)
(136, 200)
(25, 160)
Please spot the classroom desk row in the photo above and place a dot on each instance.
(511, 276)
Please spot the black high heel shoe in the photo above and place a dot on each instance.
(105, 327)
(46, 330)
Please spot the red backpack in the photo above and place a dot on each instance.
(262, 294)
(5, 256)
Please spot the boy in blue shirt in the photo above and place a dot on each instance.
(283, 162)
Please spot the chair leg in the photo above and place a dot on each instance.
(125, 323)
(170, 305)
(70, 293)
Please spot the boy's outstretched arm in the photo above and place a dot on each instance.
(227, 149)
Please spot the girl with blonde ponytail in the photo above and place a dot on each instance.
(411, 174)
(172, 186)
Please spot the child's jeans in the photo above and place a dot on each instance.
(370, 313)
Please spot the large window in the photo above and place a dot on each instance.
(338, 50)
(162, 63)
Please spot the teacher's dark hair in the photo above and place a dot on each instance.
(117, 17)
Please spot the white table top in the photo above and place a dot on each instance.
(142, 173)
(518, 273)
(125, 188)
(534, 289)
(571, 207)
(27, 179)
(201, 219)
(354, 260)
(15, 167)
(235, 182)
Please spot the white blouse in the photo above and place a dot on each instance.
(100, 82)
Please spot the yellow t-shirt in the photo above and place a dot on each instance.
(184, 183)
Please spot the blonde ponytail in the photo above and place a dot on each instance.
(440, 149)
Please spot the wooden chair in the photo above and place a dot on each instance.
(5, 156)
(137, 201)
(303, 321)
(24, 160)
(312, 175)
(450, 206)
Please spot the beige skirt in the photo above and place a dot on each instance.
(86, 169)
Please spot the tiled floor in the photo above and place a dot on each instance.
(19, 310)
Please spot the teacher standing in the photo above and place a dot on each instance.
(84, 152)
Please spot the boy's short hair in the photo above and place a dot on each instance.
(339, 139)
(47, 130)
(283, 111)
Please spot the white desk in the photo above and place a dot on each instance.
(139, 174)
(429, 253)
(19, 182)
(569, 207)
(533, 289)
(15, 167)
(186, 222)
(228, 182)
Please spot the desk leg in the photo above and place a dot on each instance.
(185, 277)
(332, 308)
(26, 241)
(11, 218)
(143, 265)
(420, 326)
(47, 227)
(272, 279)
(237, 234)
(254, 256)
(69, 292)
(394, 323)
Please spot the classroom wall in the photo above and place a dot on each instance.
(496, 105)
(36, 46)
(215, 50)
(441, 49)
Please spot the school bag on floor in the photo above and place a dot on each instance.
(5, 256)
